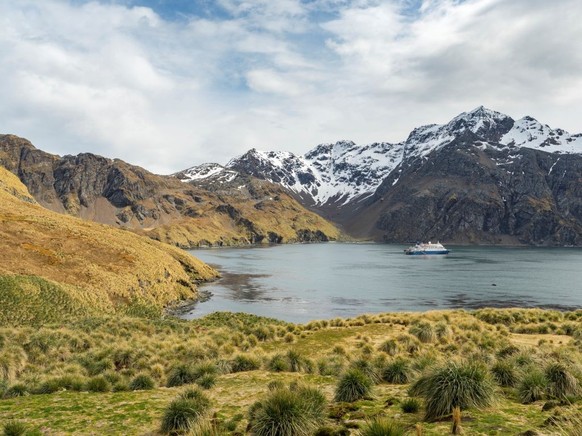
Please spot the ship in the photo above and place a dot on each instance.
(426, 249)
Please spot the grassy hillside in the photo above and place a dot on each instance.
(117, 375)
(240, 211)
(53, 265)
(259, 213)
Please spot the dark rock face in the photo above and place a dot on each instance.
(304, 235)
(74, 183)
(483, 194)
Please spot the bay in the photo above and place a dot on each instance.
(304, 282)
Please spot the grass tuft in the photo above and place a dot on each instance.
(286, 412)
(353, 385)
(453, 385)
(382, 427)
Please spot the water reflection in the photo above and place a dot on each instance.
(245, 287)
(463, 301)
(342, 301)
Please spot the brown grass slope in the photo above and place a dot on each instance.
(88, 265)
(162, 207)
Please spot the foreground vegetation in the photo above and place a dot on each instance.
(488, 372)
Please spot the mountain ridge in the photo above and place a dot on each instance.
(110, 191)
(346, 182)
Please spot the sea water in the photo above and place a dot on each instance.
(303, 282)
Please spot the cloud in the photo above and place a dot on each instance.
(123, 80)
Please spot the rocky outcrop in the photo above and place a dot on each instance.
(243, 210)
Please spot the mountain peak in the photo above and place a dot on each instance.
(485, 123)
(481, 112)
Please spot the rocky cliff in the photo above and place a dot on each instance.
(244, 211)
(472, 191)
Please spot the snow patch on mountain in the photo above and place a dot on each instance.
(529, 132)
(207, 171)
(337, 172)
(344, 171)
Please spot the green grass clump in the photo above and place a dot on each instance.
(368, 368)
(15, 428)
(142, 382)
(453, 385)
(287, 412)
(185, 412)
(278, 363)
(181, 375)
(206, 381)
(48, 387)
(561, 381)
(389, 347)
(424, 331)
(242, 363)
(397, 372)
(298, 363)
(352, 386)
(98, 384)
(17, 390)
(328, 430)
(505, 373)
(410, 405)
(532, 386)
(382, 427)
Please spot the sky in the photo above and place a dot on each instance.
(168, 84)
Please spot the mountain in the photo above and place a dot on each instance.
(511, 182)
(54, 266)
(243, 210)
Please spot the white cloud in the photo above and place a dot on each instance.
(284, 74)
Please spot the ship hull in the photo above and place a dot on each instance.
(427, 253)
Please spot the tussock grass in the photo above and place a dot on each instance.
(54, 267)
(185, 412)
(352, 386)
(288, 412)
(532, 386)
(383, 427)
(398, 371)
(505, 373)
(62, 359)
(461, 385)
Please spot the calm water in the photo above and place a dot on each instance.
(299, 283)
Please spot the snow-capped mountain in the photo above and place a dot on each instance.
(341, 173)
(337, 173)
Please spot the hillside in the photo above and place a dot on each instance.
(483, 177)
(110, 191)
(54, 266)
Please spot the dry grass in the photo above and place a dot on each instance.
(70, 355)
(268, 210)
(100, 266)
(116, 349)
